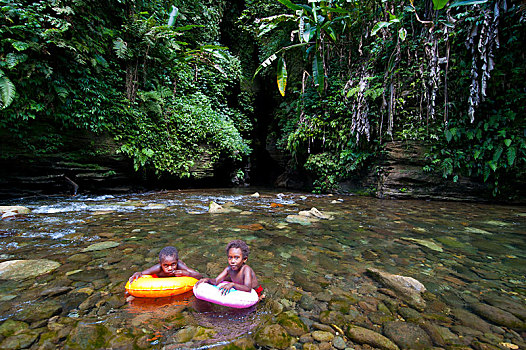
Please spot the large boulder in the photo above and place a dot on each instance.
(22, 269)
(407, 288)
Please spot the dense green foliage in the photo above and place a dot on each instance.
(448, 74)
(350, 76)
(117, 67)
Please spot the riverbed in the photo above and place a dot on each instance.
(318, 273)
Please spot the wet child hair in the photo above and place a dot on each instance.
(237, 243)
(168, 251)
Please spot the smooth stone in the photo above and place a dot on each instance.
(274, 336)
(292, 323)
(409, 289)
(14, 209)
(37, 311)
(425, 243)
(366, 336)
(322, 336)
(410, 314)
(100, 246)
(332, 317)
(194, 333)
(88, 336)
(407, 335)
(215, 208)
(307, 302)
(22, 269)
(315, 213)
(89, 275)
(339, 343)
(55, 291)
(10, 327)
(498, 316)
(19, 341)
(471, 320)
(512, 306)
(310, 346)
(299, 219)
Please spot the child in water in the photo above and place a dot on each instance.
(240, 275)
(169, 266)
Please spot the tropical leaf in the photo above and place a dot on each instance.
(290, 5)
(468, 2)
(308, 32)
(439, 4)
(120, 47)
(282, 76)
(512, 153)
(173, 16)
(317, 72)
(379, 26)
(7, 91)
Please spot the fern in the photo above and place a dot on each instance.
(7, 91)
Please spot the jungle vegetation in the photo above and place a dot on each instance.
(171, 81)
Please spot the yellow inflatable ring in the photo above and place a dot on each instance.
(152, 287)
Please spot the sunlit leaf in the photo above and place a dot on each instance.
(468, 2)
(317, 73)
(282, 76)
(308, 32)
(507, 142)
(402, 34)
(20, 45)
(439, 4)
(290, 5)
(7, 91)
(379, 26)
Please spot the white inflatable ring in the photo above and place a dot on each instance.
(235, 298)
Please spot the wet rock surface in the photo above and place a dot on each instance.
(408, 276)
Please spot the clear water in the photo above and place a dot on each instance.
(472, 249)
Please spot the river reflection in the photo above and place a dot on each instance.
(470, 257)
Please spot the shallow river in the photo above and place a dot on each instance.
(471, 258)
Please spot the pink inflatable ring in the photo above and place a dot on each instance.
(235, 298)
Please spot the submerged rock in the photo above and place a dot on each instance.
(292, 323)
(274, 336)
(366, 336)
(21, 269)
(426, 243)
(19, 341)
(101, 246)
(300, 219)
(408, 289)
(313, 212)
(10, 327)
(498, 316)
(39, 311)
(407, 335)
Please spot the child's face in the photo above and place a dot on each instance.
(236, 259)
(169, 264)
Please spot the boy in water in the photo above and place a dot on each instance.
(169, 266)
(240, 275)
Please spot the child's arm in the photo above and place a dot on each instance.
(215, 281)
(186, 271)
(245, 287)
(150, 271)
